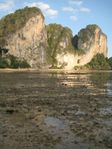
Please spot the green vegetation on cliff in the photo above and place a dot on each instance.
(99, 62)
(92, 27)
(11, 61)
(59, 41)
(15, 21)
(86, 33)
(110, 62)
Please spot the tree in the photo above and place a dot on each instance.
(110, 62)
(99, 62)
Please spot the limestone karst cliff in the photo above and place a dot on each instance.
(68, 51)
(59, 45)
(91, 40)
(26, 36)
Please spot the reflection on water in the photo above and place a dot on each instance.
(109, 87)
(55, 111)
(54, 122)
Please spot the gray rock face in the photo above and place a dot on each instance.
(66, 50)
(30, 42)
(59, 43)
(54, 44)
(92, 39)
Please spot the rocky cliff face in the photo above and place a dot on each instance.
(25, 36)
(30, 41)
(68, 51)
(59, 45)
(91, 40)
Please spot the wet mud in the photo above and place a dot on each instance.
(55, 111)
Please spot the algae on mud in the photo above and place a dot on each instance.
(55, 111)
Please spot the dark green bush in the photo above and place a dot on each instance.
(99, 62)
(23, 64)
(11, 61)
(3, 63)
(110, 62)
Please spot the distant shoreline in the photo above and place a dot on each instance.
(7, 70)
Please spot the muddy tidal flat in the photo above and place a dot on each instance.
(40, 110)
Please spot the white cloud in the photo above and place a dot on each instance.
(76, 2)
(84, 9)
(6, 5)
(46, 9)
(41, 5)
(52, 13)
(73, 18)
(75, 6)
(69, 9)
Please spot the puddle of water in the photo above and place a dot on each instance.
(108, 85)
(106, 111)
(80, 113)
(109, 92)
(54, 122)
(72, 146)
(62, 130)
(75, 100)
(107, 123)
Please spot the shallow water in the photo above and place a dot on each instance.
(55, 111)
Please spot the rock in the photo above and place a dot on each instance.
(10, 110)
(67, 51)
(60, 48)
(92, 41)
(110, 62)
(29, 41)
(26, 37)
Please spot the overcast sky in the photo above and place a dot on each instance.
(75, 14)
